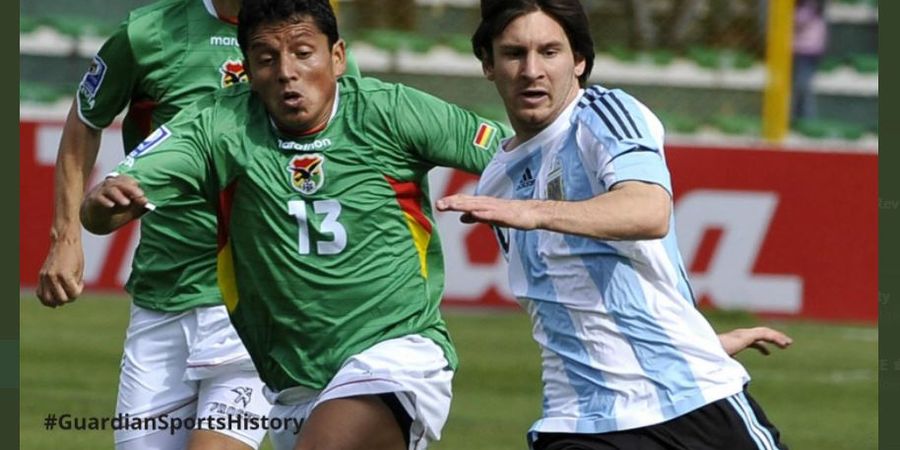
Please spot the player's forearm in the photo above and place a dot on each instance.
(78, 150)
(637, 211)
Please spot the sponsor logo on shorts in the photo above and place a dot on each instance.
(244, 395)
(233, 73)
(307, 174)
(224, 409)
(91, 81)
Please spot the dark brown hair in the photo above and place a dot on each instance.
(256, 13)
(496, 15)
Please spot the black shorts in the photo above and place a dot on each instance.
(733, 423)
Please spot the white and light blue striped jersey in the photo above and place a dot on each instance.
(622, 342)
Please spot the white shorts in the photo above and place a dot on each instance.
(186, 365)
(412, 367)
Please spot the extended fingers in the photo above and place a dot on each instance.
(776, 337)
(457, 202)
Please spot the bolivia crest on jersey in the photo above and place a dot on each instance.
(233, 73)
(307, 173)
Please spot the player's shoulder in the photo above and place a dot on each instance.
(369, 95)
(150, 14)
(219, 114)
(598, 102)
(615, 114)
(234, 98)
(367, 87)
(224, 104)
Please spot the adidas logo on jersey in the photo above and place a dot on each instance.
(527, 179)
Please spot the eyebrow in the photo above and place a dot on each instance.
(257, 44)
(551, 44)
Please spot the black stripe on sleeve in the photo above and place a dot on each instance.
(605, 120)
(627, 115)
(617, 117)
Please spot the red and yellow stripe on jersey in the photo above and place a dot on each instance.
(224, 257)
(410, 196)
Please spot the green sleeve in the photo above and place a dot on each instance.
(444, 134)
(107, 86)
(175, 160)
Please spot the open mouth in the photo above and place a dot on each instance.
(533, 95)
(291, 99)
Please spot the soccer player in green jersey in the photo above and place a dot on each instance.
(328, 258)
(182, 357)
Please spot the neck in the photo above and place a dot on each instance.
(302, 133)
(524, 131)
(227, 8)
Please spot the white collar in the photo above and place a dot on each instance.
(211, 8)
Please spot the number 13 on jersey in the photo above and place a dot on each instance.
(331, 209)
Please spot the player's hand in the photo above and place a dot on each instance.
(521, 214)
(111, 204)
(61, 277)
(757, 338)
(117, 193)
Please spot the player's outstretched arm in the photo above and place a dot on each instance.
(61, 276)
(757, 338)
(112, 204)
(632, 210)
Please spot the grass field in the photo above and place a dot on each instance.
(822, 393)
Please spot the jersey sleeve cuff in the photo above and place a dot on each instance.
(81, 116)
(646, 166)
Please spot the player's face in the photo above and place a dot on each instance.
(535, 72)
(294, 71)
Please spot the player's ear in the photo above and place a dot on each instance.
(249, 75)
(580, 64)
(339, 57)
(247, 68)
(487, 65)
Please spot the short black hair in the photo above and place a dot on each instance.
(496, 15)
(256, 13)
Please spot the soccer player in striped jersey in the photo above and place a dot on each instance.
(581, 202)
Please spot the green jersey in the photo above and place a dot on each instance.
(328, 244)
(164, 57)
